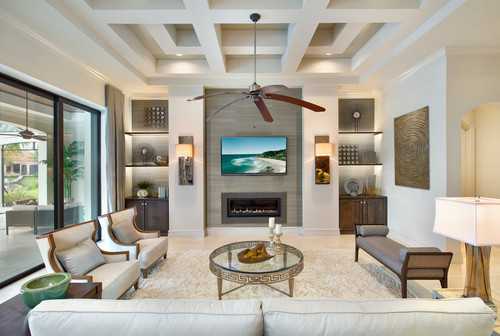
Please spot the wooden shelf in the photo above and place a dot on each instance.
(372, 133)
(361, 164)
(145, 166)
(147, 133)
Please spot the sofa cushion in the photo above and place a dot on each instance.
(81, 258)
(373, 230)
(82, 317)
(404, 250)
(377, 317)
(23, 207)
(151, 249)
(116, 277)
(125, 232)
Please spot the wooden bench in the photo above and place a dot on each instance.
(415, 263)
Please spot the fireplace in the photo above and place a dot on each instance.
(253, 207)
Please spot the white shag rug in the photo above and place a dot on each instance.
(326, 273)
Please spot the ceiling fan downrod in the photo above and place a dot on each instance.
(254, 17)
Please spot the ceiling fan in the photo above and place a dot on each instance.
(258, 93)
(26, 133)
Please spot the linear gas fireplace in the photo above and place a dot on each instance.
(242, 208)
(254, 207)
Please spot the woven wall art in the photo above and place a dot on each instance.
(411, 149)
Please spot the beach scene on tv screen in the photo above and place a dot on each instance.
(253, 155)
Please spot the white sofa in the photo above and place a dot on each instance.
(268, 317)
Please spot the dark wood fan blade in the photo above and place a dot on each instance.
(263, 110)
(291, 100)
(273, 88)
(40, 137)
(215, 94)
(223, 107)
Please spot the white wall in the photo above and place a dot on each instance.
(186, 202)
(487, 124)
(411, 210)
(451, 82)
(320, 201)
(473, 78)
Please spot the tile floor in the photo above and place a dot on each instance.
(421, 288)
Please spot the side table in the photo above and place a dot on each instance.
(14, 312)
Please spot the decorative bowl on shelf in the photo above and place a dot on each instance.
(254, 255)
(46, 287)
(160, 160)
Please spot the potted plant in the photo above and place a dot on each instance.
(72, 169)
(143, 186)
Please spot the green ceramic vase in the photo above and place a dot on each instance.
(45, 287)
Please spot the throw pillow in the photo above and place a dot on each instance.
(125, 232)
(373, 230)
(404, 250)
(81, 258)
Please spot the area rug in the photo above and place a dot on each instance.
(327, 274)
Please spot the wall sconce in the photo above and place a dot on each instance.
(322, 152)
(184, 151)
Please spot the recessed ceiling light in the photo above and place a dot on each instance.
(179, 54)
(328, 54)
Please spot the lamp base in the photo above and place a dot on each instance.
(477, 274)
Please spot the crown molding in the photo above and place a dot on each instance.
(427, 62)
(24, 30)
(476, 52)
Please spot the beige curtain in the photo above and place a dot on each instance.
(115, 143)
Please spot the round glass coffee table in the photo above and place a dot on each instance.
(283, 266)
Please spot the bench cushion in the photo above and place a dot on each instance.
(384, 250)
(373, 230)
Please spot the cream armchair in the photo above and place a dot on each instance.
(73, 249)
(119, 233)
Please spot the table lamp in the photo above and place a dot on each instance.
(476, 222)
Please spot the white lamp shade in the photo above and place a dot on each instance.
(184, 150)
(464, 219)
(323, 149)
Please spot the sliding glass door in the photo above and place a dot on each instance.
(49, 171)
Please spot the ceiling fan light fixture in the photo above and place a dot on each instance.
(257, 93)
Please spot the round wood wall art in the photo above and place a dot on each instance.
(411, 149)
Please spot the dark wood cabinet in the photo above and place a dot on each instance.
(152, 213)
(361, 210)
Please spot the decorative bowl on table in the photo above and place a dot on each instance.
(254, 255)
(160, 160)
(46, 287)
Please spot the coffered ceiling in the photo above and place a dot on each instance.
(210, 42)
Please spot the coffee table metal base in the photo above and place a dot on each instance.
(220, 293)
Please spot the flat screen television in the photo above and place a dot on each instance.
(253, 155)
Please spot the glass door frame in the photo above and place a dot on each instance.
(58, 131)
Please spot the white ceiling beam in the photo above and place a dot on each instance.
(301, 33)
(163, 37)
(248, 50)
(208, 34)
(344, 35)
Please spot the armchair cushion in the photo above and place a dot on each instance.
(81, 258)
(125, 232)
